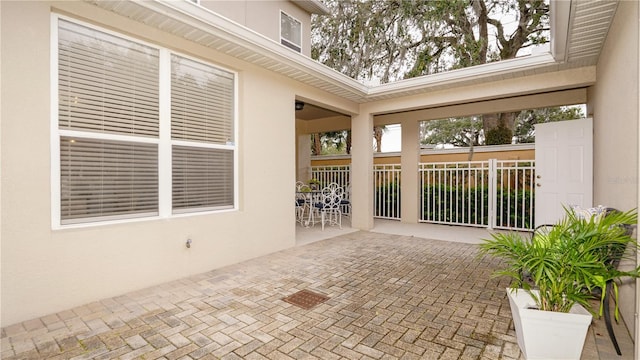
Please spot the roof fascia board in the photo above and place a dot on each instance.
(561, 13)
(480, 106)
(225, 29)
(478, 72)
(313, 6)
(498, 89)
(229, 30)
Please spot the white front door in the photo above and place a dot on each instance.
(564, 168)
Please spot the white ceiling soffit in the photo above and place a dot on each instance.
(313, 6)
(195, 23)
(589, 25)
(579, 29)
(200, 25)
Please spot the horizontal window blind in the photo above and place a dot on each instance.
(202, 102)
(105, 83)
(202, 178)
(105, 179)
(202, 111)
(111, 149)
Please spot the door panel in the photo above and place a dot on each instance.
(564, 168)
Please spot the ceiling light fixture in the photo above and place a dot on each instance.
(299, 105)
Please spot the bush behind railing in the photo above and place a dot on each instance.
(387, 200)
(470, 205)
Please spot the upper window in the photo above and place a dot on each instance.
(111, 143)
(290, 32)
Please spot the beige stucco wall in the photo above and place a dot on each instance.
(263, 16)
(45, 270)
(613, 101)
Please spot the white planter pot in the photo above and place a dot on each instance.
(548, 334)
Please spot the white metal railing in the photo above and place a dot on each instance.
(386, 193)
(455, 193)
(339, 174)
(514, 194)
(494, 194)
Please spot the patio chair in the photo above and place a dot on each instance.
(345, 203)
(329, 205)
(302, 202)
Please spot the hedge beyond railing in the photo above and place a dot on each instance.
(470, 205)
(386, 201)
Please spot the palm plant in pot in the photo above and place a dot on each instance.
(556, 273)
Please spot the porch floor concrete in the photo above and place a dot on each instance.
(391, 296)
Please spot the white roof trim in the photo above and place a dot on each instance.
(471, 73)
(235, 35)
(313, 6)
(560, 13)
(217, 32)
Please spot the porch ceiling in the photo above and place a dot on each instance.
(579, 29)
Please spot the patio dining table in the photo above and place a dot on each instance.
(310, 198)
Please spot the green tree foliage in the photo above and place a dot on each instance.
(333, 142)
(387, 40)
(467, 132)
(500, 134)
(524, 132)
(339, 142)
(395, 39)
(460, 132)
(378, 131)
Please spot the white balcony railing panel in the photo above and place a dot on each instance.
(493, 194)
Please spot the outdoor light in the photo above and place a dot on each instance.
(299, 105)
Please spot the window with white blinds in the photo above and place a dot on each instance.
(110, 133)
(103, 179)
(202, 178)
(106, 84)
(202, 112)
(201, 102)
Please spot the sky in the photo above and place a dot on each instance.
(392, 139)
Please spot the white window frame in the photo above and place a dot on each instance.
(287, 42)
(194, 144)
(164, 140)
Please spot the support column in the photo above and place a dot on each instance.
(362, 171)
(409, 159)
(303, 152)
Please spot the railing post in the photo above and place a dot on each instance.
(493, 192)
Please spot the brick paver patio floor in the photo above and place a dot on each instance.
(390, 297)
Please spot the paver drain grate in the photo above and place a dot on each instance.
(306, 299)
